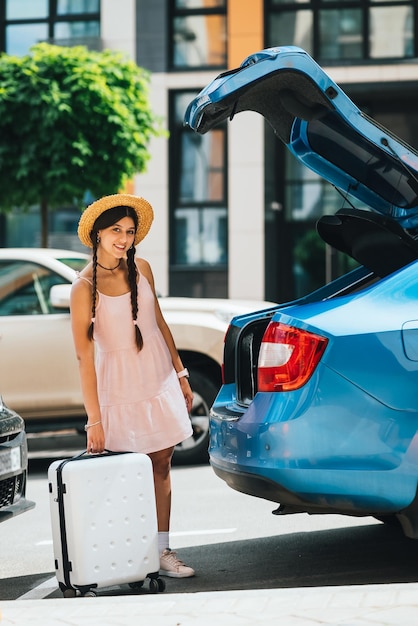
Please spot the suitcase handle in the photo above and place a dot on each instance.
(97, 454)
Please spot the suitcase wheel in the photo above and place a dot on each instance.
(156, 585)
(69, 592)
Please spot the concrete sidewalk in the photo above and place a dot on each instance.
(357, 605)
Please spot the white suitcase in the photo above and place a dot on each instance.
(104, 522)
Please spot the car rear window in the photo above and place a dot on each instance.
(74, 263)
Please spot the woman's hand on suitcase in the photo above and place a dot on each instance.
(95, 439)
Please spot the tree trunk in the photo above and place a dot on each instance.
(44, 223)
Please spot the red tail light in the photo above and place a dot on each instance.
(288, 357)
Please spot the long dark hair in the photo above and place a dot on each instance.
(106, 219)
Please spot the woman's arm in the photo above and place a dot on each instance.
(80, 306)
(145, 269)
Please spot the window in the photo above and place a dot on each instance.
(396, 20)
(341, 34)
(63, 22)
(66, 7)
(25, 287)
(199, 217)
(198, 34)
(292, 27)
(26, 9)
(348, 30)
(20, 37)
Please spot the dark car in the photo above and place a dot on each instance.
(13, 464)
(318, 411)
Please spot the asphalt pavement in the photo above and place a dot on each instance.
(233, 601)
(355, 576)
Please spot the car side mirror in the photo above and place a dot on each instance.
(59, 296)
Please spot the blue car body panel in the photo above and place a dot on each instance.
(350, 432)
(346, 441)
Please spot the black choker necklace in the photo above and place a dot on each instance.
(109, 269)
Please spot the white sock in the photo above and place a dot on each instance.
(163, 541)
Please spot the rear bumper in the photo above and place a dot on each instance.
(328, 497)
(311, 452)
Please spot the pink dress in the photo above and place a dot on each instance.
(142, 406)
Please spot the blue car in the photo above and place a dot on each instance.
(318, 411)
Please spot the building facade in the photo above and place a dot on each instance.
(235, 213)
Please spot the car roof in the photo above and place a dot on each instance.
(55, 253)
(54, 258)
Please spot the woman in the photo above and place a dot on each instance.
(135, 388)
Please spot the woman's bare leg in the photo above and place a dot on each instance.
(161, 464)
(170, 564)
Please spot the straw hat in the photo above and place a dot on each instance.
(142, 208)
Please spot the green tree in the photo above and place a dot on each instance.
(71, 121)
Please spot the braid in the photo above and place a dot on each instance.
(132, 277)
(94, 288)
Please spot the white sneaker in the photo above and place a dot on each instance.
(171, 566)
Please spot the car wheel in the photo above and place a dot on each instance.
(195, 448)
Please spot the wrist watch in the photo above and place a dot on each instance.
(184, 373)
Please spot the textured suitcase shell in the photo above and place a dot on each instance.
(104, 521)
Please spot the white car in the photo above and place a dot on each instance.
(38, 368)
